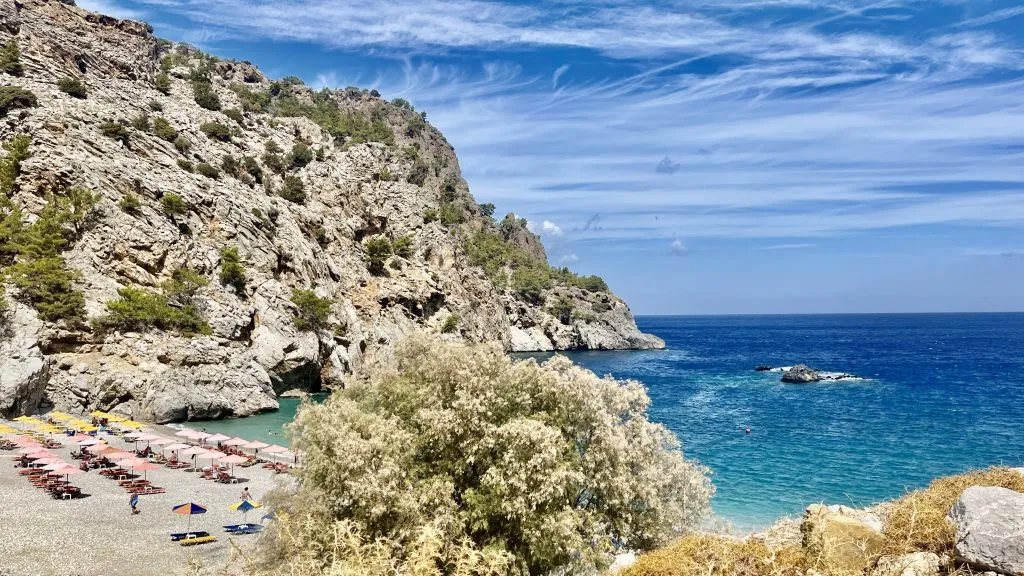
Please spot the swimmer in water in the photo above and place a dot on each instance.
(271, 432)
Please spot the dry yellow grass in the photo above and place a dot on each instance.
(917, 521)
(703, 555)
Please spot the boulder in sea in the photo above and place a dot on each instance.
(763, 368)
(801, 374)
(841, 538)
(990, 529)
(916, 564)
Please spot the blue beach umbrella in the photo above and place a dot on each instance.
(244, 506)
(188, 509)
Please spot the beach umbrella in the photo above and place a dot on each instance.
(255, 446)
(118, 455)
(56, 465)
(146, 467)
(161, 441)
(274, 449)
(192, 453)
(232, 460)
(176, 446)
(236, 442)
(188, 509)
(244, 506)
(201, 436)
(185, 432)
(90, 442)
(218, 438)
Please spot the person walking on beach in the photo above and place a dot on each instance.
(245, 494)
(134, 503)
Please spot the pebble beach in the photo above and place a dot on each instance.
(97, 535)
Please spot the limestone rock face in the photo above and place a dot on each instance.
(355, 190)
(842, 538)
(990, 529)
(24, 369)
(916, 564)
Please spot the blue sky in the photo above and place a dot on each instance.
(704, 156)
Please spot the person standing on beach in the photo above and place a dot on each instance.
(245, 494)
(134, 503)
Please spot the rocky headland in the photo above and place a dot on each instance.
(185, 238)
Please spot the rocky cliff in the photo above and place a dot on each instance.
(184, 238)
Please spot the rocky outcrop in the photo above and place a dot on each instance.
(916, 564)
(355, 189)
(990, 529)
(24, 369)
(841, 538)
(801, 374)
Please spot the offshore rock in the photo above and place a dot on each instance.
(801, 374)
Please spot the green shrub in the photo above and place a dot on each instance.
(385, 175)
(162, 82)
(321, 154)
(130, 203)
(137, 309)
(252, 101)
(451, 214)
(156, 106)
(208, 171)
(182, 144)
(562, 309)
(601, 306)
(163, 130)
(10, 165)
(252, 167)
(378, 250)
(10, 59)
(205, 96)
(185, 165)
(418, 174)
(47, 285)
(173, 205)
(236, 115)
(321, 236)
(415, 126)
(40, 274)
(117, 131)
(293, 190)
(487, 209)
(531, 282)
(403, 104)
(312, 312)
(275, 162)
(402, 246)
(430, 215)
(230, 165)
(451, 324)
(72, 87)
(141, 122)
(350, 126)
(456, 459)
(15, 97)
(232, 273)
(300, 156)
(216, 131)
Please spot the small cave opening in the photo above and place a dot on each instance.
(305, 377)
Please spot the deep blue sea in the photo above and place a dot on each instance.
(944, 393)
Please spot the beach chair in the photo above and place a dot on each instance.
(183, 535)
(199, 540)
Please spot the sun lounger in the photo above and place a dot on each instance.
(182, 535)
(200, 540)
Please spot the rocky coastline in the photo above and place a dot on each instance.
(175, 180)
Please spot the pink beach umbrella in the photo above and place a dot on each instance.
(146, 467)
(55, 465)
(217, 438)
(236, 442)
(255, 445)
(233, 459)
(192, 453)
(274, 449)
(185, 433)
(161, 441)
(201, 436)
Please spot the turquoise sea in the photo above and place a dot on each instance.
(943, 393)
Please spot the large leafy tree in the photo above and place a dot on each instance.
(460, 460)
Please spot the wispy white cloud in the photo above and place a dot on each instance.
(558, 74)
(112, 8)
(678, 248)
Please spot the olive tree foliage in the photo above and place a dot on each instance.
(459, 460)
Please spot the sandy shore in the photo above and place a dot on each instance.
(97, 535)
